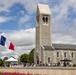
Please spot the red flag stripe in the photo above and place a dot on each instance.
(11, 46)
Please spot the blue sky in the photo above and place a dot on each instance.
(12, 19)
(17, 23)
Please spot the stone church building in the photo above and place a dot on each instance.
(45, 50)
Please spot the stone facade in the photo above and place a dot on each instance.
(46, 51)
(41, 70)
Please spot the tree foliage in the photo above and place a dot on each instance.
(24, 58)
(12, 56)
(1, 62)
(31, 56)
(27, 58)
(5, 58)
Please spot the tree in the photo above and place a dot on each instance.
(1, 62)
(5, 58)
(12, 56)
(24, 58)
(27, 58)
(31, 56)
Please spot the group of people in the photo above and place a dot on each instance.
(41, 65)
(64, 64)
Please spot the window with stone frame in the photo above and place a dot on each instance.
(72, 55)
(45, 19)
(65, 54)
(48, 59)
(57, 54)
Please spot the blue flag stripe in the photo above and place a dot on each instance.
(2, 40)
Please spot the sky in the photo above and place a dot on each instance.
(18, 21)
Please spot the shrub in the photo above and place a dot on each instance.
(74, 65)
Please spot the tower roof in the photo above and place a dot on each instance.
(44, 9)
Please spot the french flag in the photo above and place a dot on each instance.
(4, 42)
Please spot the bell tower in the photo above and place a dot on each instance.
(43, 30)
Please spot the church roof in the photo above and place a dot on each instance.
(64, 46)
(44, 9)
(56, 46)
(48, 47)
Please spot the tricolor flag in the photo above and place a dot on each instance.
(4, 42)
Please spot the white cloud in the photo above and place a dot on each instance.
(22, 12)
(74, 21)
(64, 27)
(23, 20)
(24, 41)
(60, 20)
(4, 19)
(21, 37)
(6, 4)
(66, 39)
(30, 6)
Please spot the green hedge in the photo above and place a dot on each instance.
(74, 65)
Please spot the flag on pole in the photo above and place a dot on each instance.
(4, 42)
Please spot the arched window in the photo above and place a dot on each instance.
(57, 54)
(43, 19)
(46, 19)
(72, 55)
(48, 59)
(65, 54)
(37, 59)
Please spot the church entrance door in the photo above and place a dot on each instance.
(37, 60)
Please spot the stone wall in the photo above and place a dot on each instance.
(43, 70)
